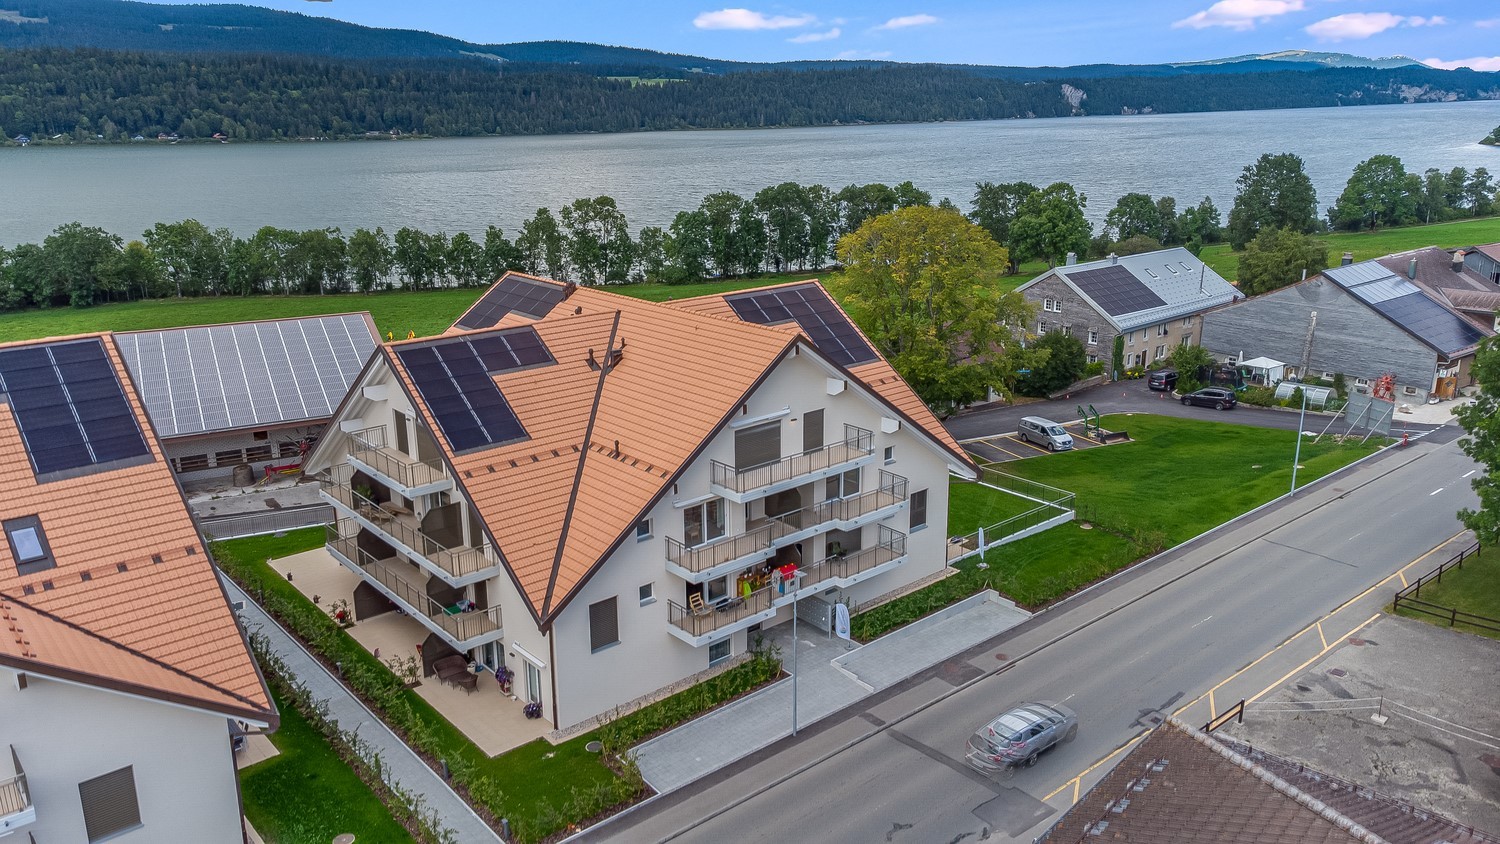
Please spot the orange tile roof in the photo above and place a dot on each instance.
(556, 508)
(133, 603)
(878, 374)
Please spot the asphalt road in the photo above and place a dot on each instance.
(891, 768)
(1130, 397)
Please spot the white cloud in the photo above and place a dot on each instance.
(906, 21)
(1477, 63)
(747, 19)
(863, 54)
(810, 37)
(1239, 15)
(1357, 25)
(1488, 24)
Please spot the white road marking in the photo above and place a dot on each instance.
(1068, 698)
(1195, 625)
(1351, 539)
(1470, 472)
(1434, 492)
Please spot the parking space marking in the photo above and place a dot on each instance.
(1321, 637)
(1298, 670)
(1090, 769)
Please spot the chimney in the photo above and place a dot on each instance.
(1071, 259)
(569, 289)
(1347, 259)
(1113, 259)
(1458, 261)
(1411, 270)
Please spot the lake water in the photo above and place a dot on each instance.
(469, 183)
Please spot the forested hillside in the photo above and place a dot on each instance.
(85, 94)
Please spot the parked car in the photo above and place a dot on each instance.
(1016, 738)
(1045, 433)
(1163, 379)
(1215, 397)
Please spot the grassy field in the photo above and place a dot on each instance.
(307, 793)
(1475, 588)
(973, 506)
(1367, 245)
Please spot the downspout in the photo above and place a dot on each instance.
(552, 656)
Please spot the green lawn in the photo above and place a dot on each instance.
(973, 506)
(1367, 245)
(1475, 588)
(307, 795)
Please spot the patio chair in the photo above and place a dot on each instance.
(695, 603)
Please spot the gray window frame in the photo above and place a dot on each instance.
(32, 566)
(647, 594)
(728, 643)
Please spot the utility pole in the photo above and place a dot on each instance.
(1296, 456)
(794, 657)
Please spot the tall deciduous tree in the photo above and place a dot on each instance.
(1050, 223)
(1481, 420)
(80, 260)
(1278, 257)
(995, 209)
(651, 254)
(541, 245)
(1060, 361)
(1136, 214)
(922, 282)
(1379, 193)
(598, 240)
(370, 258)
(1274, 193)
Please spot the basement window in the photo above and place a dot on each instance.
(28, 545)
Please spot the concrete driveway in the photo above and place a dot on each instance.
(1133, 397)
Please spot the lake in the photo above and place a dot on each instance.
(469, 183)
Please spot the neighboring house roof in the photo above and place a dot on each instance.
(1490, 249)
(569, 445)
(1475, 301)
(1183, 786)
(1435, 271)
(1435, 323)
(1146, 289)
(123, 595)
(213, 378)
(871, 368)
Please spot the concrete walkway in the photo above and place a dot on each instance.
(830, 676)
(402, 767)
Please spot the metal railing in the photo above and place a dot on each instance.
(369, 447)
(1026, 488)
(857, 443)
(1410, 598)
(892, 490)
(273, 521)
(714, 617)
(704, 557)
(892, 545)
(462, 625)
(457, 561)
(1234, 713)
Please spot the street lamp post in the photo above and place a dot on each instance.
(794, 661)
(1297, 455)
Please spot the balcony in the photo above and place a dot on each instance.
(402, 472)
(717, 620)
(458, 565)
(742, 485)
(763, 536)
(16, 809)
(459, 628)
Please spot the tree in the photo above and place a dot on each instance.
(193, 256)
(411, 258)
(995, 208)
(1061, 362)
(1050, 223)
(1278, 257)
(465, 260)
(822, 224)
(1493, 139)
(370, 258)
(598, 240)
(1432, 205)
(858, 203)
(1479, 192)
(1274, 193)
(1189, 359)
(137, 271)
(651, 254)
(500, 255)
(79, 263)
(1481, 420)
(1201, 223)
(688, 247)
(1379, 193)
(324, 257)
(909, 195)
(1136, 245)
(541, 246)
(922, 283)
(1135, 214)
(788, 234)
(736, 234)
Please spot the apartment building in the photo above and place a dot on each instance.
(609, 496)
(121, 666)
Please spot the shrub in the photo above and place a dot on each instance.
(1095, 368)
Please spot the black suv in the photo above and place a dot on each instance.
(1164, 380)
(1215, 397)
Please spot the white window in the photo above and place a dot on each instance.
(720, 651)
(642, 530)
(1328, 375)
(1161, 352)
(1068, 328)
(1046, 304)
(1093, 338)
(1041, 326)
(1161, 330)
(1361, 382)
(1187, 340)
(1093, 358)
(890, 454)
(703, 522)
(648, 594)
(1130, 339)
(1187, 321)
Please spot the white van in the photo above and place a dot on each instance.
(1045, 433)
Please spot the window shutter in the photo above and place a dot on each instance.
(109, 804)
(757, 446)
(604, 624)
(812, 430)
(918, 508)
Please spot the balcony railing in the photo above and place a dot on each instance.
(16, 809)
(717, 553)
(458, 562)
(462, 625)
(712, 618)
(892, 491)
(857, 443)
(891, 546)
(369, 447)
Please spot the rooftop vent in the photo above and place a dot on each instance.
(1458, 261)
(1347, 259)
(1411, 269)
(1113, 259)
(1071, 259)
(1098, 828)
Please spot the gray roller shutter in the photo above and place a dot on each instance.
(604, 624)
(812, 430)
(109, 804)
(757, 446)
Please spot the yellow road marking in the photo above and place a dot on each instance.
(1077, 784)
(1321, 636)
(1090, 769)
(1404, 584)
(1295, 671)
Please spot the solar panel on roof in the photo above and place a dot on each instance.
(820, 319)
(512, 294)
(1116, 290)
(70, 406)
(1432, 323)
(456, 383)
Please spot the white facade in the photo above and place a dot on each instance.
(65, 734)
(662, 638)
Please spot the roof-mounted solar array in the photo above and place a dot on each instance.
(220, 377)
(818, 317)
(512, 294)
(1434, 324)
(1116, 290)
(70, 406)
(455, 378)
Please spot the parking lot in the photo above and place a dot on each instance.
(1007, 447)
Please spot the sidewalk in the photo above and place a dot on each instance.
(402, 766)
(830, 676)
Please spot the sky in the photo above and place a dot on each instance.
(1445, 33)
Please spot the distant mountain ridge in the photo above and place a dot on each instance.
(235, 28)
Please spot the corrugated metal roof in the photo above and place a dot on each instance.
(1177, 282)
(1405, 304)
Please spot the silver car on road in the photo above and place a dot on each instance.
(1016, 738)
